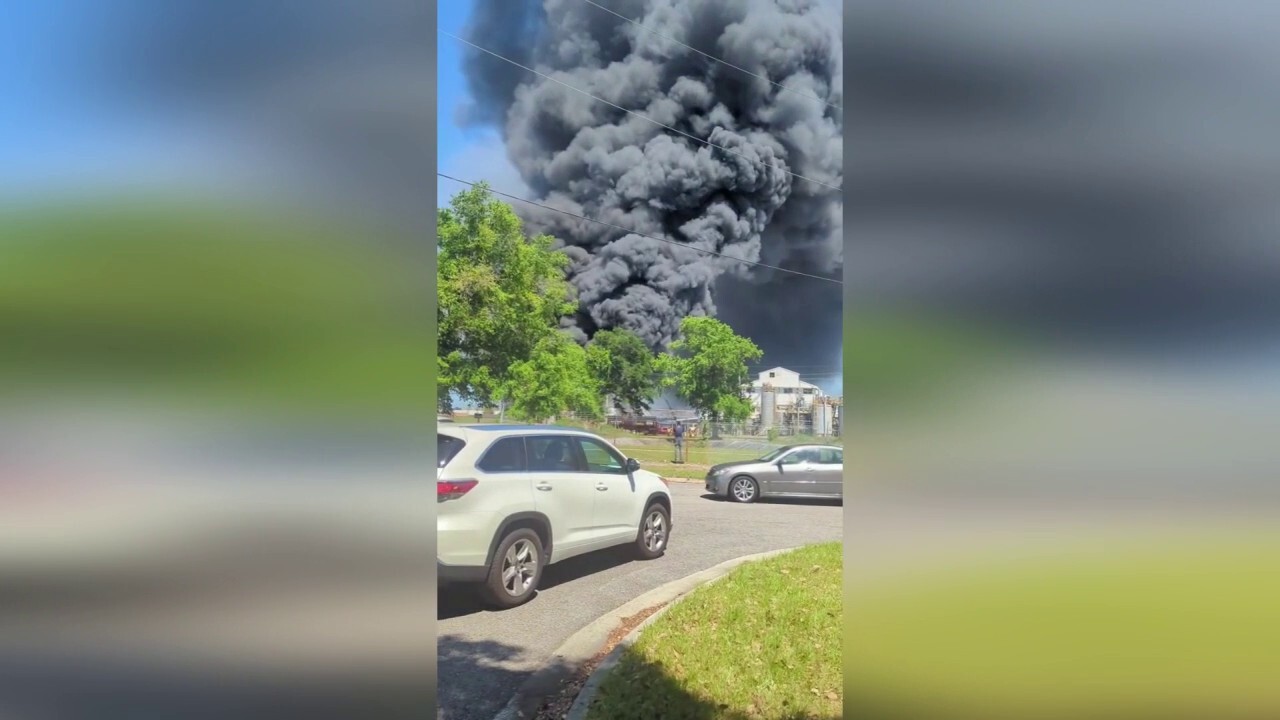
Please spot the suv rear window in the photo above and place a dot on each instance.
(506, 455)
(446, 447)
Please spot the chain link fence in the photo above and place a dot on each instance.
(783, 432)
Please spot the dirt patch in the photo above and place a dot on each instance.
(557, 707)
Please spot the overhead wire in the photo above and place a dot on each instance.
(645, 235)
(639, 115)
(722, 61)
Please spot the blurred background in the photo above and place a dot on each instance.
(216, 357)
(1061, 359)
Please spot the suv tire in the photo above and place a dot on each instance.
(515, 571)
(654, 532)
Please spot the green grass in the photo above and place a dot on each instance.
(247, 307)
(763, 642)
(697, 460)
(1167, 629)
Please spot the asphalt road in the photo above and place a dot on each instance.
(484, 656)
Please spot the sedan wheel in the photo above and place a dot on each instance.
(743, 489)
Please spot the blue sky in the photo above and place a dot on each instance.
(66, 124)
(60, 124)
(47, 118)
(451, 89)
(469, 153)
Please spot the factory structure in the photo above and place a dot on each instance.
(790, 406)
(782, 403)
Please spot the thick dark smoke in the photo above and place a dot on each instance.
(585, 156)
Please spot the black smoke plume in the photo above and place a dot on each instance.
(742, 200)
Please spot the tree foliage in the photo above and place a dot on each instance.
(707, 366)
(624, 368)
(501, 295)
(555, 378)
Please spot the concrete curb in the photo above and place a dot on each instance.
(584, 644)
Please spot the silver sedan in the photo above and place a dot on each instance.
(805, 471)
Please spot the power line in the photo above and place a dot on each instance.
(642, 117)
(713, 57)
(634, 232)
(797, 368)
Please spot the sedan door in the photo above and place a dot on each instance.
(830, 471)
(796, 473)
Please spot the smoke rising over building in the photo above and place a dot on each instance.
(769, 193)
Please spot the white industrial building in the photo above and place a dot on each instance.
(788, 389)
(780, 399)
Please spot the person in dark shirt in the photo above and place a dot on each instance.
(679, 435)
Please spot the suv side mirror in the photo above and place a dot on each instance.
(632, 464)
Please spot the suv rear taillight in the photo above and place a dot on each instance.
(453, 489)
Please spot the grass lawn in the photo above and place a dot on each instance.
(1170, 628)
(763, 642)
(657, 457)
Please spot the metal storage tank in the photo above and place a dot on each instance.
(822, 411)
(768, 402)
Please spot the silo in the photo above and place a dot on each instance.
(823, 414)
(767, 405)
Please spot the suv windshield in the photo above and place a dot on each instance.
(446, 447)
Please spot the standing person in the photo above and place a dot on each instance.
(679, 436)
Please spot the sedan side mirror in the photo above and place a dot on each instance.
(632, 464)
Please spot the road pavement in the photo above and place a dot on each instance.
(485, 656)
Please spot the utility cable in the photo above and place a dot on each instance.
(642, 117)
(780, 86)
(634, 232)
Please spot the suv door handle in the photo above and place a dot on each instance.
(543, 488)
(602, 487)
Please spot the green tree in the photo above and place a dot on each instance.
(555, 378)
(707, 366)
(624, 367)
(500, 294)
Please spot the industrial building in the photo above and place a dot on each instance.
(788, 405)
(782, 403)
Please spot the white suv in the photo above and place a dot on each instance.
(512, 499)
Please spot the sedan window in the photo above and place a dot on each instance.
(799, 456)
(807, 455)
